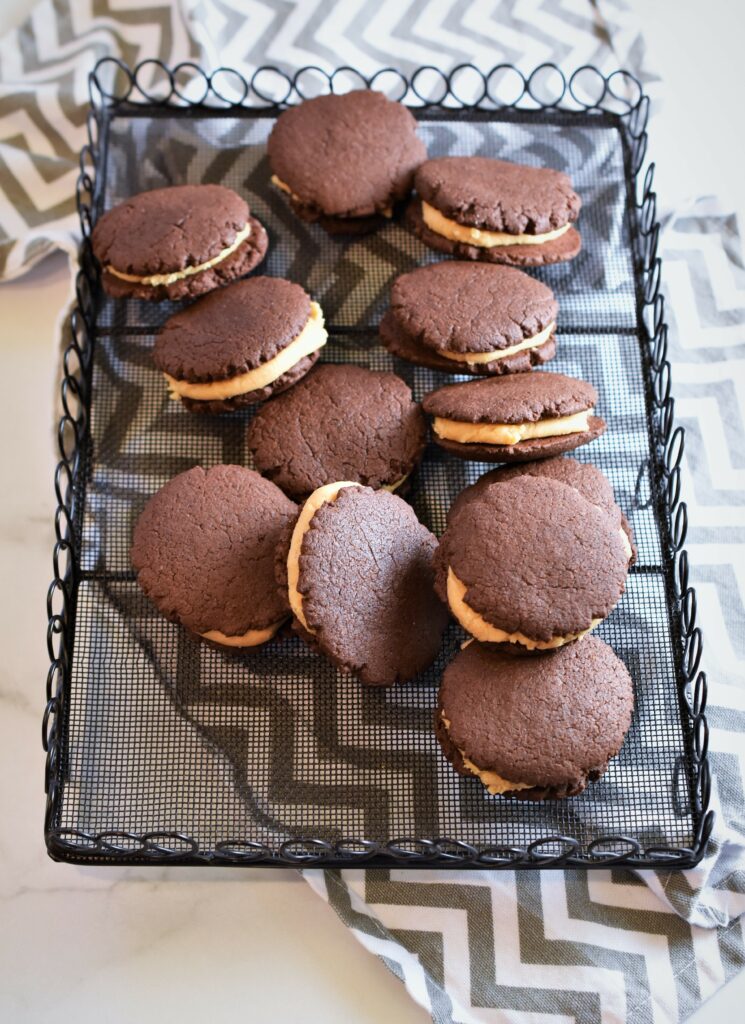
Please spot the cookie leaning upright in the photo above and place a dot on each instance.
(359, 580)
(204, 549)
(178, 242)
(339, 423)
(471, 318)
(345, 160)
(514, 419)
(530, 728)
(479, 208)
(531, 564)
(240, 345)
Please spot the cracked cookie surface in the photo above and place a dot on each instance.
(340, 423)
(204, 549)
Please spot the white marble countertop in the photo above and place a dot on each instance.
(109, 945)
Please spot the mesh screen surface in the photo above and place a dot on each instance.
(164, 733)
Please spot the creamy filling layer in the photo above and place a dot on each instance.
(252, 638)
(494, 783)
(387, 211)
(477, 626)
(456, 232)
(178, 275)
(510, 433)
(391, 488)
(319, 497)
(501, 353)
(312, 337)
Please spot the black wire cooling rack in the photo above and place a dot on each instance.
(161, 749)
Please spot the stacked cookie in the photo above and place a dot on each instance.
(535, 554)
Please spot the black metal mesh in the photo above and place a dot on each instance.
(166, 734)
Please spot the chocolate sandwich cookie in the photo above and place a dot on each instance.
(340, 423)
(177, 243)
(471, 318)
(514, 419)
(240, 345)
(360, 583)
(531, 565)
(531, 728)
(584, 477)
(484, 209)
(204, 551)
(345, 160)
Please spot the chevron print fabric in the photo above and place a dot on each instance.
(604, 946)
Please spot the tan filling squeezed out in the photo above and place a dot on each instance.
(477, 626)
(387, 211)
(494, 783)
(319, 497)
(312, 337)
(510, 433)
(252, 638)
(500, 353)
(154, 280)
(456, 232)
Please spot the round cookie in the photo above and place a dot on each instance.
(204, 550)
(176, 243)
(479, 208)
(240, 345)
(583, 476)
(471, 318)
(360, 583)
(515, 418)
(344, 160)
(340, 423)
(534, 728)
(531, 565)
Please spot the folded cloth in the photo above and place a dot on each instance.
(605, 945)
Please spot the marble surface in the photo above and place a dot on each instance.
(109, 945)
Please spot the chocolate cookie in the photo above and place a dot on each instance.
(203, 550)
(495, 211)
(534, 728)
(240, 345)
(340, 423)
(584, 477)
(359, 573)
(531, 564)
(471, 318)
(178, 242)
(344, 160)
(514, 419)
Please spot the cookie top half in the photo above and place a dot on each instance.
(204, 549)
(497, 195)
(340, 423)
(360, 583)
(531, 563)
(535, 727)
(348, 155)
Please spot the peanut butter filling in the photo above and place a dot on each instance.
(510, 433)
(312, 337)
(154, 280)
(456, 232)
(484, 631)
(252, 638)
(493, 782)
(500, 353)
(319, 497)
